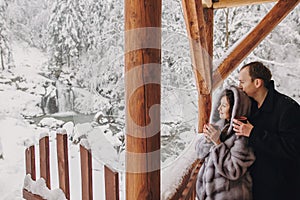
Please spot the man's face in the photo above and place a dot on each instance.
(246, 83)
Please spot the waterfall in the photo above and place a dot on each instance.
(49, 102)
(65, 97)
(58, 97)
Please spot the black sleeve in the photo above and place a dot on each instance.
(284, 144)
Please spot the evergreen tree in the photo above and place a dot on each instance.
(66, 34)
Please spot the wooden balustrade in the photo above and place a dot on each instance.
(111, 176)
(187, 188)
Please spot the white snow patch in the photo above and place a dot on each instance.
(39, 187)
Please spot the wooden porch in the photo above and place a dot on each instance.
(142, 85)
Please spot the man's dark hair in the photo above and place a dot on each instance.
(258, 70)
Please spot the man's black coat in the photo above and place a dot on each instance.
(276, 140)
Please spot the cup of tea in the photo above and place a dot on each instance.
(242, 119)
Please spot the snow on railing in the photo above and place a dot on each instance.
(41, 189)
(179, 178)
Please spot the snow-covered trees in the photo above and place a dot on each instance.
(28, 20)
(281, 48)
(6, 59)
(85, 41)
(66, 34)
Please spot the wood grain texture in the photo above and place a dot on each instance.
(111, 184)
(187, 188)
(86, 173)
(63, 163)
(29, 196)
(238, 3)
(30, 162)
(45, 160)
(142, 86)
(199, 24)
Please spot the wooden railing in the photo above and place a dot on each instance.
(111, 176)
(187, 188)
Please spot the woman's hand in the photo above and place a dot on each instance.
(212, 133)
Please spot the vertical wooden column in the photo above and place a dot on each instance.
(142, 91)
(45, 159)
(30, 162)
(86, 173)
(205, 100)
(199, 29)
(63, 163)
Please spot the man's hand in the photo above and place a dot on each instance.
(240, 128)
(212, 133)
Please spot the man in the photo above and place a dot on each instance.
(274, 133)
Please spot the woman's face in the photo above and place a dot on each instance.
(224, 109)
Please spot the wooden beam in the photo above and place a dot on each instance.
(142, 95)
(204, 100)
(209, 23)
(196, 29)
(266, 25)
(200, 30)
(238, 3)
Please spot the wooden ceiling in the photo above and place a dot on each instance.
(231, 3)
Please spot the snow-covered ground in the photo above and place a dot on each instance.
(20, 94)
(15, 132)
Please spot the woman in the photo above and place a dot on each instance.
(227, 157)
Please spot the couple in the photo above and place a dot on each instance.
(258, 159)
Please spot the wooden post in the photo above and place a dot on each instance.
(111, 184)
(30, 162)
(142, 91)
(199, 33)
(205, 100)
(86, 173)
(209, 24)
(266, 25)
(45, 160)
(63, 163)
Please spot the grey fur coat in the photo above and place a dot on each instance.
(224, 173)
